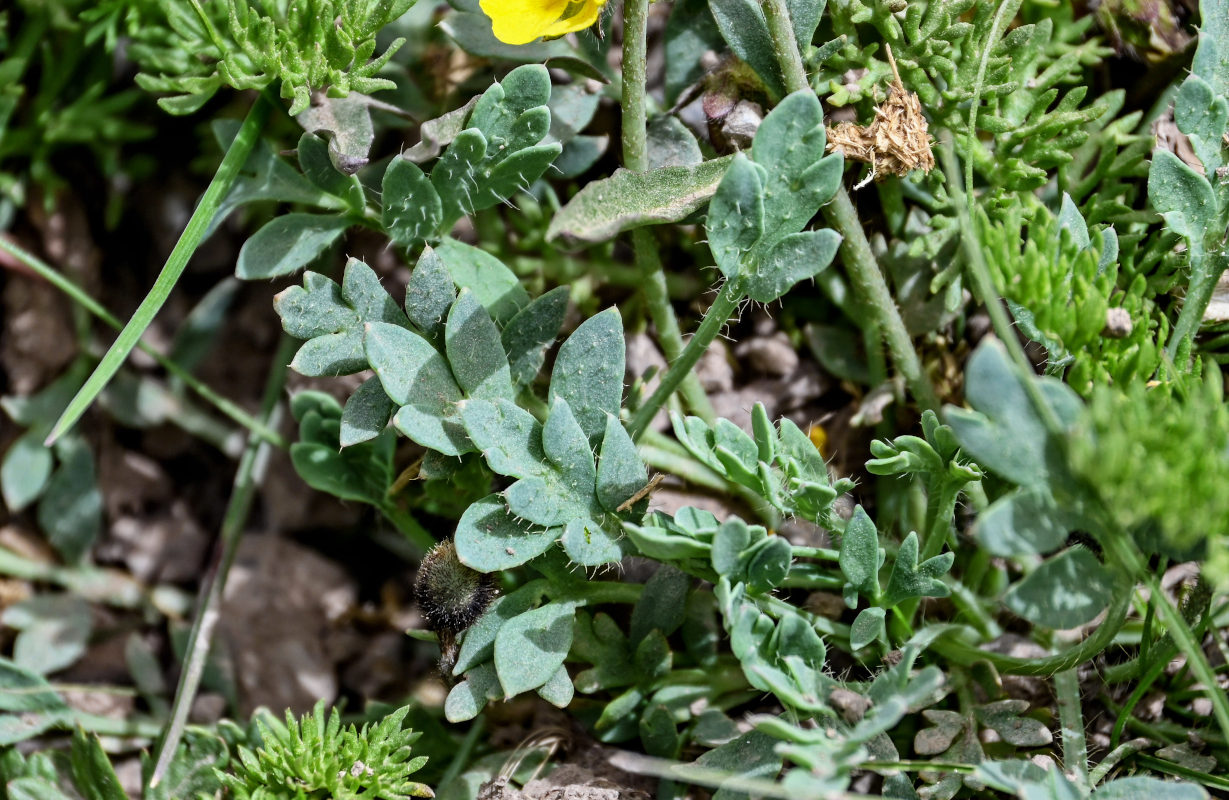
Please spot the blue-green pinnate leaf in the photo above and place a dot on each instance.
(736, 214)
(567, 447)
(1066, 591)
(467, 699)
(366, 414)
(911, 579)
(789, 145)
(1027, 521)
(508, 436)
(478, 641)
(867, 627)
(331, 318)
(620, 472)
(1004, 432)
(588, 371)
(489, 538)
(860, 557)
(475, 351)
(412, 211)
(496, 286)
(456, 175)
(1183, 196)
(418, 380)
(287, 244)
(429, 294)
(744, 27)
(528, 334)
(797, 257)
(588, 544)
(530, 648)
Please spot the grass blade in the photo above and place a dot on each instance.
(189, 240)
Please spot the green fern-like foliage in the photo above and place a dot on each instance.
(317, 760)
(1022, 85)
(307, 45)
(1060, 282)
(1182, 434)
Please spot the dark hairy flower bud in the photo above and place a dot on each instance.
(450, 595)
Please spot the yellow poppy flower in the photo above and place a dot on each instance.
(522, 21)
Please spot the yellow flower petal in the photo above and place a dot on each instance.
(522, 21)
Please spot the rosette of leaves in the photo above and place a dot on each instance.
(318, 757)
(488, 151)
(779, 462)
(306, 45)
(1059, 281)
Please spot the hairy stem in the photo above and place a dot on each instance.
(644, 245)
(781, 28)
(961, 653)
(1124, 551)
(864, 273)
(870, 285)
(1071, 716)
(716, 318)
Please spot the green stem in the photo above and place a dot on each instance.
(789, 58)
(1071, 716)
(635, 158)
(223, 179)
(856, 251)
(1115, 618)
(79, 296)
(247, 478)
(714, 320)
(987, 295)
(1204, 275)
(1115, 758)
(873, 290)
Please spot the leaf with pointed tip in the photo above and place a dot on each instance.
(418, 380)
(911, 579)
(527, 335)
(530, 648)
(366, 414)
(797, 257)
(429, 294)
(859, 555)
(496, 286)
(736, 214)
(588, 371)
(490, 539)
(412, 209)
(331, 319)
(287, 244)
(508, 436)
(620, 472)
(475, 351)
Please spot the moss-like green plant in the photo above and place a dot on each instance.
(320, 759)
(313, 45)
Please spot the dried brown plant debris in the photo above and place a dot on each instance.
(895, 143)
